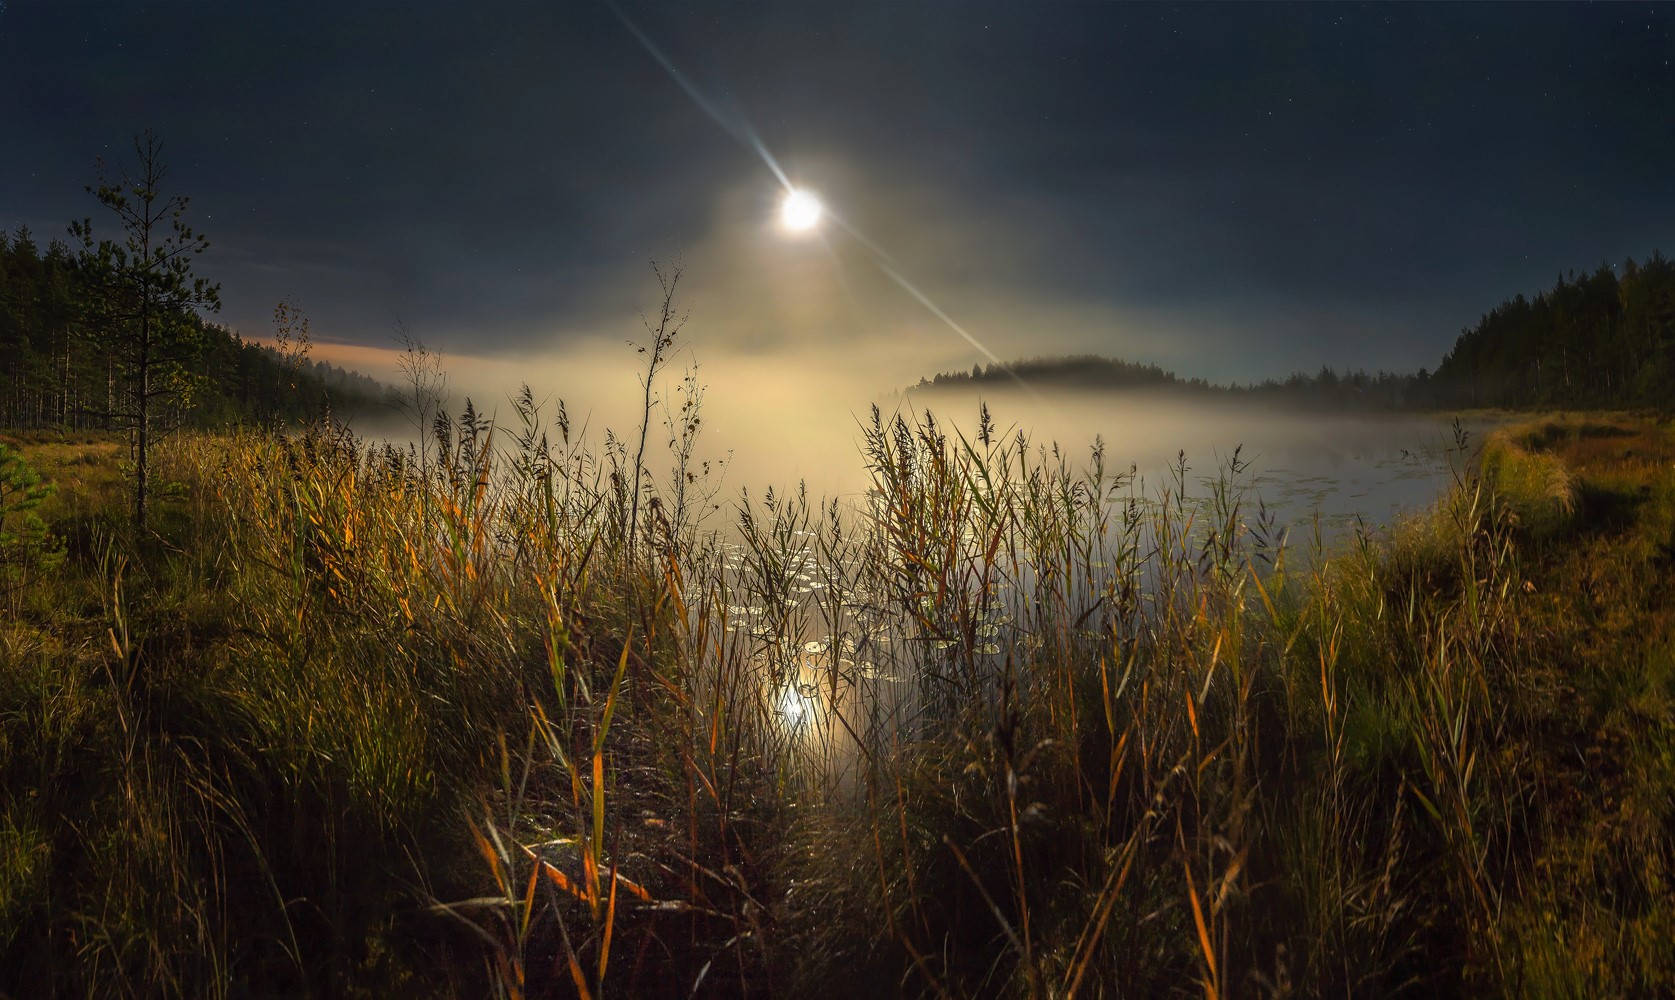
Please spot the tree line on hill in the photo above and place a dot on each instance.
(1599, 340)
(1605, 339)
(59, 371)
(114, 333)
(1326, 389)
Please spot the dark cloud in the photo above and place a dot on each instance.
(1230, 190)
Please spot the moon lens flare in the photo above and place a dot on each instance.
(800, 211)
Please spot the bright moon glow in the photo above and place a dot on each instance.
(800, 211)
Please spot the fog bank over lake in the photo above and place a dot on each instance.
(769, 423)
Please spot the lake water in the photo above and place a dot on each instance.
(1333, 469)
(840, 665)
(831, 660)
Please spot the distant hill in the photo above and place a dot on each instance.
(1600, 340)
(1324, 389)
(1079, 370)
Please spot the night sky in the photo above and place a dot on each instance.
(1229, 191)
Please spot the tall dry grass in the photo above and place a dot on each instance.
(537, 715)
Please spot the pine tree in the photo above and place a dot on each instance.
(146, 294)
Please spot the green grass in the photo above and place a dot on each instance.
(334, 727)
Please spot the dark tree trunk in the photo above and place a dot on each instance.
(142, 411)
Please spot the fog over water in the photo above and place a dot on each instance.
(773, 421)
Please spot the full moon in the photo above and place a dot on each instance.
(800, 211)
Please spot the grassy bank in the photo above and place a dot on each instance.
(346, 723)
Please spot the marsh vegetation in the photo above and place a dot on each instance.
(538, 716)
